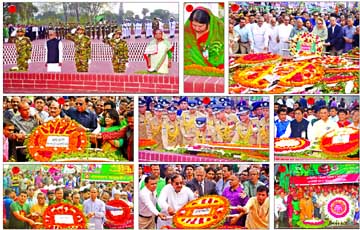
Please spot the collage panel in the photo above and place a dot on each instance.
(204, 47)
(316, 128)
(112, 47)
(68, 128)
(204, 129)
(204, 196)
(68, 196)
(321, 196)
(293, 47)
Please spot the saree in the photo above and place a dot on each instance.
(208, 50)
(112, 133)
(158, 53)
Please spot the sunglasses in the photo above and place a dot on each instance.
(178, 183)
(79, 103)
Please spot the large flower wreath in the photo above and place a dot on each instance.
(63, 216)
(306, 44)
(339, 209)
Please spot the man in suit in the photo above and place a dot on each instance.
(201, 186)
(335, 41)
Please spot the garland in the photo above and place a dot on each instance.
(305, 224)
(147, 143)
(306, 44)
(290, 145)
(250, 60)
(254, 77)
(79, 220)
(198, 70)
(203, 213)
(37, 141)
(123, 217)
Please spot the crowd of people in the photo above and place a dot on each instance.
(261, 31)
(100, 30)
(98, 116)
(183, 121)
(164, 189)
(311, 118)
(27, 194)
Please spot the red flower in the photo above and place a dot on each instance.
(15, 170)
(189, 8)
(61, 100)
(282, 168)
(234, 7)
(206, 100)
(311, 101)
(12, 9)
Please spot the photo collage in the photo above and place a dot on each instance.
(229, 114)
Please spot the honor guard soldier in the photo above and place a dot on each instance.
(148, 28)
(172, 27)
(155, 125)
(107, 29)
(120, 52)
(247, 130)
(93, 31)
(23, 50)
(171, 135)
(82, 49)
(98, 31)
(102, 30)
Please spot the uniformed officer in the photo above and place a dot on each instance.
(98, 31)
(172, 27)
(107, 29)
(102, 27)
(62, 31)
(148, 28)
(23, 50)
(155, 125)
(144, 117)
(88, 29)
(120, 52)
(155, 23)
(171, 135)
(224, 127)
(82, 49)
(187, 123)
(205, 134)
(264, 124)
(138, 28)
(247, 130)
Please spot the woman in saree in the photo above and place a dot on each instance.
(158, 53)
(111, 135)
(204, 39)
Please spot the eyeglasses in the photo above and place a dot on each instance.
(178, 183)
(79, 103)
(66, 105)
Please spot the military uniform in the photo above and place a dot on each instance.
(120, 53)
(88, 30)
(188, 127)
(82, 50)
(155, 125)
(23, 49)
(247, 134)
(98, 31)
(93, 31)
(224, 131)
(207, 135)
(102, 30)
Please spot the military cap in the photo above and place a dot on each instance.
(118, 31)
(265, 104)
(243, 110)
(256, 104)
(158, 107)
(192, 104)
(21, 30)
(80, 28)
(142, 102)
(172, 109)
(200, 122)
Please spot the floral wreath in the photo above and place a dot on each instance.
(288, 145)
(312, 43)
(339, 209)
(203, 213)
(122, 218)
(79, 220)
(37, 142)
(340, 149)
(259, 58)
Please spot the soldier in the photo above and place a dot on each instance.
(247, 130)
(120, 52)
(82, 49)
(205, 134)
(155, 125)
(264, 124)
(23, 50)
(66, 29)
(98, 31)
(187, 123)
(113, 27)
(107, 29)
(148, 28)
(62, 31)
(93, 31)
(144, 118)
(172, 27)
(171, 135)
(138, 29)
(88, 29)
(124, 28)
(57, 31)
(102, 30)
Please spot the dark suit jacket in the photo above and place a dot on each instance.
(209, 187)
(336, 39)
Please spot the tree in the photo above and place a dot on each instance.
(144, 12)
(129, 14)
(121, 13)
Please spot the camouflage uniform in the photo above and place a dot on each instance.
(62, 32)
(23, 49)
(120, 53)
(82, 50)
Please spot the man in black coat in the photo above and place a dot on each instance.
(201, 186)
(335, 41)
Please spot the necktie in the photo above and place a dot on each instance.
(333, 28)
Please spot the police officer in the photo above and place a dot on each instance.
(187, 123)
(120, 52)
(155, 125)
(205, 134)
(171, 135)
(224, 128)
(23, 50)
(247, 130)
(82, 49)
(264, 124)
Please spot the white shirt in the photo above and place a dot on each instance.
(260, 38)
(280, 206)
(321, 127)
(147, 203)
(169, 198)
(285, 32)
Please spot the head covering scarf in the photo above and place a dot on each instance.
(193, 50)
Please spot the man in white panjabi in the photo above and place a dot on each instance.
(53, 53)
(285, 29)
(273, 36)
(158, 53)
(260, 37)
